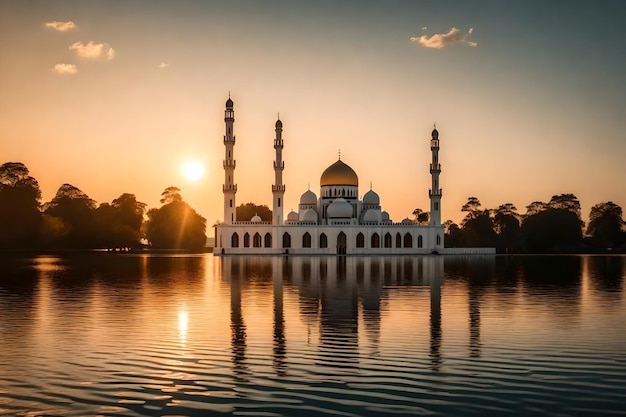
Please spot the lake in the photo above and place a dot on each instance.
(176, 335)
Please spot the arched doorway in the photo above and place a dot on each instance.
(341, 243)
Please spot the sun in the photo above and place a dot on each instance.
(193, 170)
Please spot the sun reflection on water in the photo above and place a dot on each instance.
(183, 323)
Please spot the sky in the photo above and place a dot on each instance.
(529, 98)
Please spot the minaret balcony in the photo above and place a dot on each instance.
(229, 188)
(435, 168)
(436, 193)
(229, 163)
(278, 188)
(279, 166)
(434, 144)
(278, 143)
(229, 139)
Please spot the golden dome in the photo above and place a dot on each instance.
(339, 174)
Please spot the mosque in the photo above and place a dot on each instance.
(337, 222)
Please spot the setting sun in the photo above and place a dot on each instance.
(193, 170)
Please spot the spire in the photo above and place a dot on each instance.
(340, 154)
(370, 185)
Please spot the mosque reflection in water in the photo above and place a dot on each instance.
(337, 294)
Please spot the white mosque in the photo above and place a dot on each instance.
(335, 223)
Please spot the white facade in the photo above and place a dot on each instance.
(336, 222)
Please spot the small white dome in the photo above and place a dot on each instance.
(371, 215)
(339, 208)
(385, 216)
(256, 219)
(406, 221)
(308, 198)
(309, 215)
(292, 217)
(371, 198)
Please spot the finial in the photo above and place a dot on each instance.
(309, 186)
(370, 186)
(340, 154)
(278, 115)
(228, 93)
(435, 125)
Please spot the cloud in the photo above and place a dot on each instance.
(62, 26)
(439, 40)
(92, 50)
(65, 69)
(163, 65)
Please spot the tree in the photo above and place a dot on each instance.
(245, 212)
(175, 225)
(20, 215)
(77, 212)
(605, 225)
(507, 225)
(472, 209)
(421, 217)
(120, 222)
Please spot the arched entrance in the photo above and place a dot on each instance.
(341, 243)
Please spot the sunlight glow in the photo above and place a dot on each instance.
(193, 170)
(183, 320)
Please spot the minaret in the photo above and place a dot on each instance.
(229, 188)
(278, 189)
(435, 193)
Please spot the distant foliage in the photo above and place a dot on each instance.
(606, 225)
(245, 212)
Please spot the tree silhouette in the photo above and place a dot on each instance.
(175, 225)
(20, 217)
(507, 224)
(555, 228)
(605, 225)
(77, 214)
(120, 222)
(421, 217)
(245, 212)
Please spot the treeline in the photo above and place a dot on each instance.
(552, 227)
(72, 220)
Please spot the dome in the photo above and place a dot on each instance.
(279, 124)
(435, 134)
(308, 198)
(339, 208)
(339, 174)
(229, 103)
(309, 216)
(371, 198)
(256, 219)
(371, 215)
(385, 216)
(406, 221)
(292, 217)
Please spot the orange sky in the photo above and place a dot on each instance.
(526, 106)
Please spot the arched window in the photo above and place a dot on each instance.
(341, 243)
(343, 192)
(387, 240)
(408, 240)
(375, 240)
(323, 241)
(360, 240)
(438, 240)
(234, 240)
(286, 240)
(398, 240)
(419, 241)
(246, 240)
(306, 240)
(256, 242)
(268, 240)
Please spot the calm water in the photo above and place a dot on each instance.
(146, 335)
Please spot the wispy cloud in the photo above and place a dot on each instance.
(65, 69)
(93, 50)
(164, 65)
(62, 26)
(440, 40)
